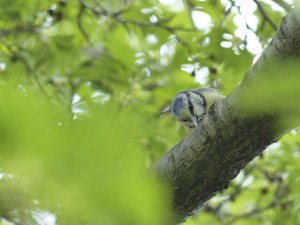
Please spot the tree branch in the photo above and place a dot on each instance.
(265, 15)
(30, 71)
(119, 18)
(79, 22)
(18, 30)
(204, 163)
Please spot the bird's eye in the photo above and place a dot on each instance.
(199, 119)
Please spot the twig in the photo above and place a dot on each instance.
(265, 15)
(28, 67)
(226, 12)
(79, 22)
(17, 30)
(117, 16)
(233, 5)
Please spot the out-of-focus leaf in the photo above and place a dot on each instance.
(90, 168)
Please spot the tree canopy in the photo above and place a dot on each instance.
(85, 88)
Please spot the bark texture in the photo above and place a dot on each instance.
(205, 162)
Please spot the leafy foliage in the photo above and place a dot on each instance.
(83, 84)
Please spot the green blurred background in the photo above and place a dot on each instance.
(83, 85)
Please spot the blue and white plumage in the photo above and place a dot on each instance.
(190, 107)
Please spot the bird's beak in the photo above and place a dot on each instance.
(194, 119)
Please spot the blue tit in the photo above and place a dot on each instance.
(190, 107)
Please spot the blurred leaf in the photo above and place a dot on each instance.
(92, 162)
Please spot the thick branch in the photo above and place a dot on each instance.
(205, 162)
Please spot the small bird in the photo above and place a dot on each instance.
(190, 107)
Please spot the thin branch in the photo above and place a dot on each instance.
(265, 15)
(158, 25)
(18, 30)
(117, 16)
(227, 11)
(30, 71)
(79, 22)
(248, 27)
